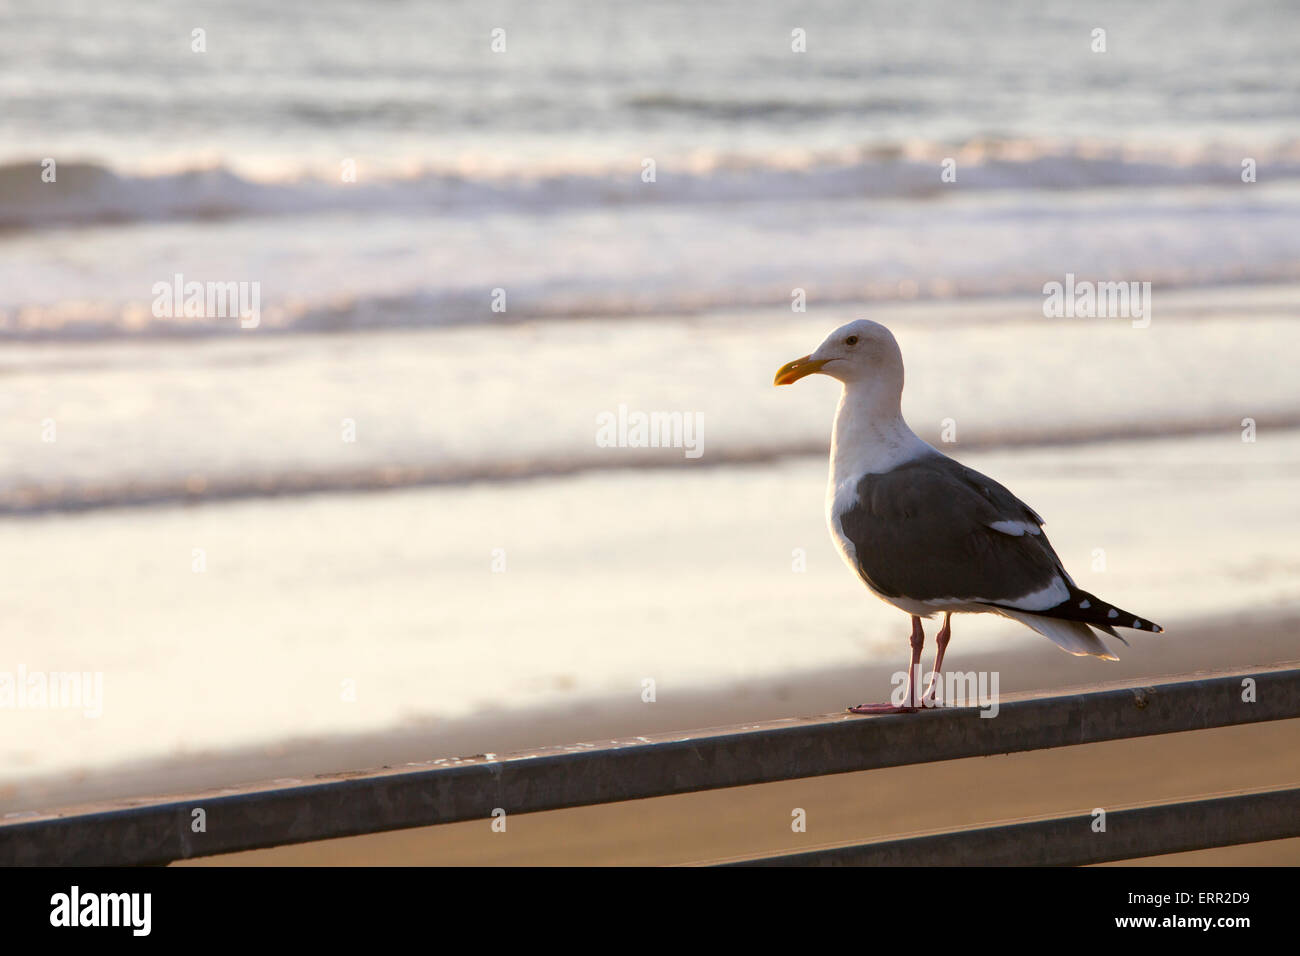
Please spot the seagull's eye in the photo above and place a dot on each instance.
(851, 340)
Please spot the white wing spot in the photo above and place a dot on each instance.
(1085, 604)
(1015, 529)
(1137, 624)
(1113, 613)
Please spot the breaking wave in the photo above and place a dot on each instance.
(88, 193)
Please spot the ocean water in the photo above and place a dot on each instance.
(522, 169)
(349, 465)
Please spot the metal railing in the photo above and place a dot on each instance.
(553, 778)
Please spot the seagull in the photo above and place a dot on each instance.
(929, 535)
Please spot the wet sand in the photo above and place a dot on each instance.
(755, 820)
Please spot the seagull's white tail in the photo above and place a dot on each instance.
(1073, 636)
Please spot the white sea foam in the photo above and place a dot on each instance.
(141, 422)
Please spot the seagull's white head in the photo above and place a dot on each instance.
(860, 353)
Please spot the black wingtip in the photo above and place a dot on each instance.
(1105, 617)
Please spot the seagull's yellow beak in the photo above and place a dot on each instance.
(791, 372)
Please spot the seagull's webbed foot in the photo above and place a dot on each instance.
(912, 704)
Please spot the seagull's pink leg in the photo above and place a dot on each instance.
(941, 639)
(910, 704)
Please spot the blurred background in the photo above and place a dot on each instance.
(378, 527)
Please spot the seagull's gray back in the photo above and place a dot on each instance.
(933, 529)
